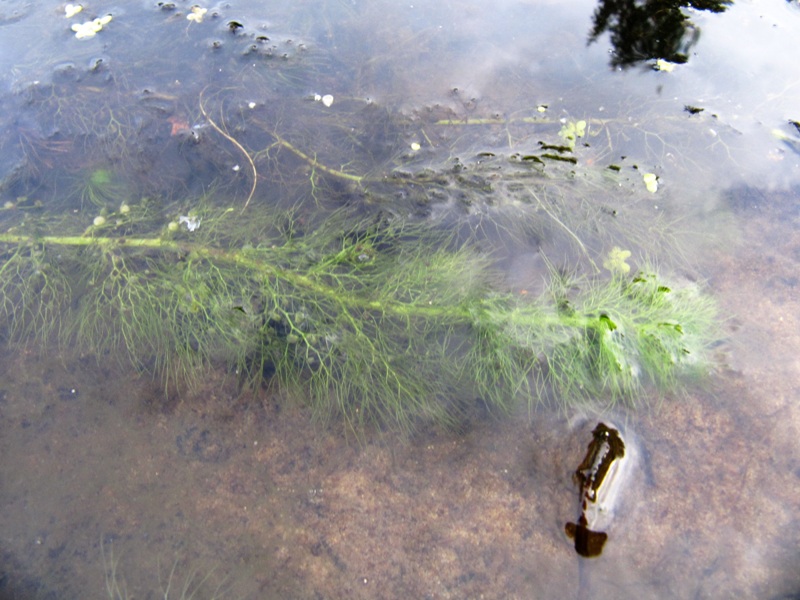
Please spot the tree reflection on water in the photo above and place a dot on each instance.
(650, 30)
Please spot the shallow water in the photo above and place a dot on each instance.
(98, 462)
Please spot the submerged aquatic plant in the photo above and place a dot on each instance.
(176, 586)
(101, 188)
(380, 320)
(391, 318)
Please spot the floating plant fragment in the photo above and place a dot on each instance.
(70, 10)
(90, 28)
(651, 182)
(616, 260)
(196, 14)
(664, 65)
(571, 131)
(792, 142)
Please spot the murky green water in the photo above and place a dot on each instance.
(505, 128)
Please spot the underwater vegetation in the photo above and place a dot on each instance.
(178, 584)
(100, 188)
(377, 319)
(342, 253)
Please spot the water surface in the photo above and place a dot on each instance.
(242, 487)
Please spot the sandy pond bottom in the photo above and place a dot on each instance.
(267, 506)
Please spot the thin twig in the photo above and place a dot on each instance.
(314, 162)
(567, 229)
(233, 141)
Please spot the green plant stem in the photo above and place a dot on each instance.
(503, 313)
(244, 259)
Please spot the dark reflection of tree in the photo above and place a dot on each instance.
(650, 29)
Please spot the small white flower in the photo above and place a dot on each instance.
(251, 104)
(192, 223)
(327, 99)
(197, 14)
(317, 98)
(99, 221)
(415, 146)
(70, 10)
